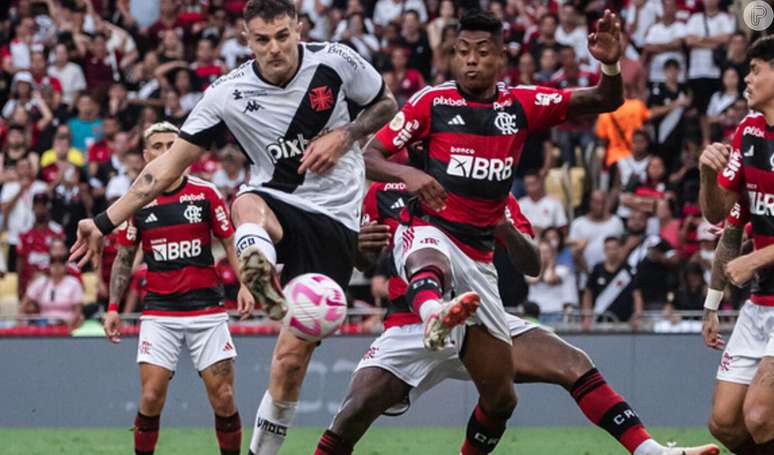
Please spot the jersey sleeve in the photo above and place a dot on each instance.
(128, 235)
(221, 221)
(514, 214)
(361, 82)
(370, 208)
(732, 176)
(205, 122)
(410, 124)
(543, 106)
(739, 215)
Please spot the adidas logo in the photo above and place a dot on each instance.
(228, 347)
(457, 120)
(399, 204)
(151, 218)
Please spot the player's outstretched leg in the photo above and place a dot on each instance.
(257, 231)
(154, 381)
(483, 359)
(219, 382)
(541, 356)
(758, 407)
(727, 420)
(429, 273)
(372, 392)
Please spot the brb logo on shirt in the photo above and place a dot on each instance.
(172, 251)
(478, 168)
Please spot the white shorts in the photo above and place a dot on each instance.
(207, 338)
(467, 275)
(400, 350)
(750, 341)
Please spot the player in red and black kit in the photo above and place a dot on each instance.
(473, 129)
(743, 172)
(184, 300)
(397, 369)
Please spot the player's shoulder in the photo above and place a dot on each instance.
(336, 55)
(538, 95)
(445, 93)
(240, 73)
(753, 124)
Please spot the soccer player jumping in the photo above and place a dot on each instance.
(298, 111)
(743, 172)
(184, 304)
(474, 130)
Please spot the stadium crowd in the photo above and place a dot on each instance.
(612, 199)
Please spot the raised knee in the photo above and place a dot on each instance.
(759, 423)
(152, 398)
(502, 405)
(288, 369)
(577, 364)
(725, 428)
(223, 402)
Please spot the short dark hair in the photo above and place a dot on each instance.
(482, 21)
(644, 133)
(268, 10)
(762, 48)
(412, 11)
(17, 127)
(672, 63)
(615, 239)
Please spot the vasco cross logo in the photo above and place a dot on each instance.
(193, 213)
(321, 98)
(252, 106)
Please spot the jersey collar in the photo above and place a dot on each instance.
(300, 61)
(179, 187)
(491, 100)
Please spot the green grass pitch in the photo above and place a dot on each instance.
(301, 441)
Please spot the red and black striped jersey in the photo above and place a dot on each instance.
(750, 173)
(383, 204)
(471, 148)
(176, 231)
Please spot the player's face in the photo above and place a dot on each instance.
(275, 45)
(477, 59)
(157, 144)
(760, 85)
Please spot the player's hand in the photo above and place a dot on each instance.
(245, 302)
(710, 329)
(373, 237)
(740, 270)
(88, 245)
(605, 43)
(112, 325)
(324, 152)
(714, 157)
(426, 187)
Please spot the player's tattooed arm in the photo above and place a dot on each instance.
(121, 272)
(726, 251)
(372, 118)
(607, 96)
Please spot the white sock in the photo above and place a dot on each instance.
(649, 447)
(271, 425)
(251, 235)
(429, 307)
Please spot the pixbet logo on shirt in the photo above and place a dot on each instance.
(284, 148)
(478, 168)
(172, 251)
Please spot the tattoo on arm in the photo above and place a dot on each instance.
(607, 96)
(121, 273)
(727, 250)
(373, 118)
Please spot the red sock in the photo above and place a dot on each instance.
(608, 410)
(427, 284)
(483, 433)
(146, 433)
(332, 444)
(229, 433)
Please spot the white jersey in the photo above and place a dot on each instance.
(274, 124)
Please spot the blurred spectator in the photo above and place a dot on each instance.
(39, 72)
(667, 103)
(664, 41)
(102, 150)
(555, 237)
(706, 31)
(627, 173)
(542, 210)
(33, 250)
(61, 156)
(100, 66)
(387, 11)
(145, 89)
(56, 296)
(356, 35)
(119, 106)
(171, 47)
(59, 249)
(26, 119)
(206, 66)
(230, 282)
(640, 16)
(578, 132)
(86, 128)
(18, 49)
(15, 150)
(616, 128)
(547, 66)
(588, 232)
(409, 80)
(686, 179)
(706, 254)
(119, 184)
(16, 200)
(612, 289)
(633, 72)
(721, 101)
(138, 288)
(234, 48)
(415, 39)
(447, 15)
(645, 193)
(231, 173)
(653, 259)
(317, 12)
(693, 289)
(669, 226)
(72, 200)
(104, 266)
(571, 33)
(168, 20)
(173, 110)
(546, 38)
(555, 289)
(734, 56)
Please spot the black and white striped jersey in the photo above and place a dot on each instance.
(273, 125)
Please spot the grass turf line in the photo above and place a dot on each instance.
(302, 441)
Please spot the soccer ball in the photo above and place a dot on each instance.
(317, 306)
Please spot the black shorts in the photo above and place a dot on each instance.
(312, 243)
(702, 90)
